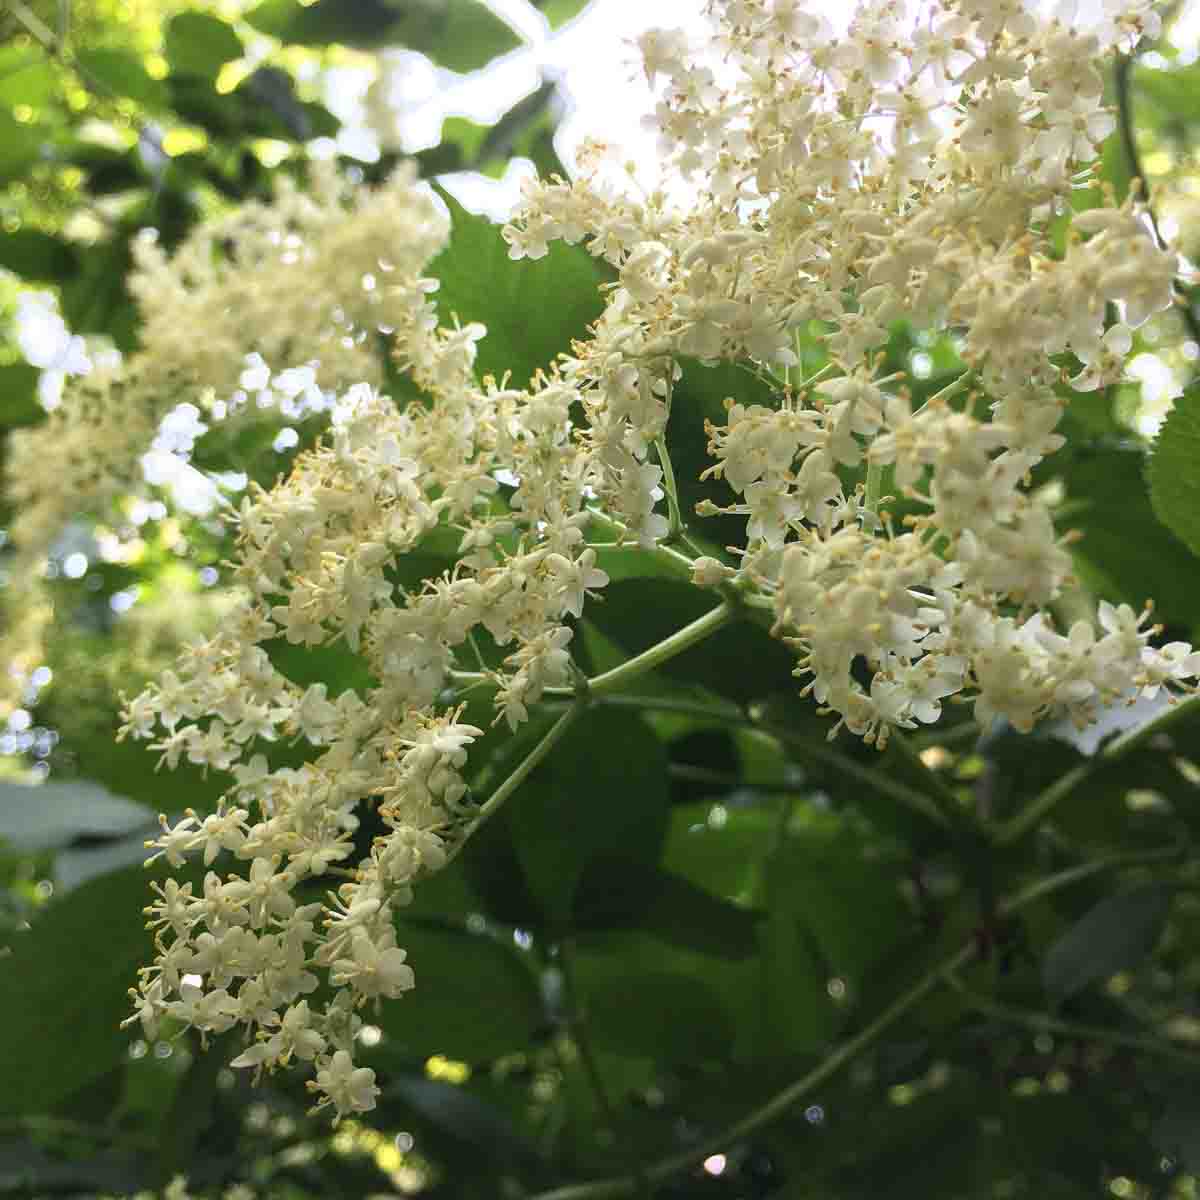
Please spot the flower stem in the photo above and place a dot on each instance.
(669, 486)
(551, 738)
(674, 561)
(664, 651)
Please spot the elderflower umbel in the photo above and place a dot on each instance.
(908, 169)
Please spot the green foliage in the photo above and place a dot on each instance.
(1174, 481)
(199, 44)
(531, 309)
(475, 998)
(461, 35)
(1126, 552)
(1112, 937)
(64, 991)
(120, 72)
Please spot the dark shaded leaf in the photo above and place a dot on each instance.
(1177, 1130)
(1126, 553)
(668, 906)
(637, 1008)
(741, 661)
(36, 255)
(272, 106)
(474, 999)
(462, 1115)
(703, 763)
(30, 1169)
(1114, 936)
(845, 894)
(63, 990)
(97, 300)
(18, 395)
(586, 803)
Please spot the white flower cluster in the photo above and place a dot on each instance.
(910, 168)
(317, 561)
(300, 281)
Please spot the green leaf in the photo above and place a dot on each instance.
(122, 73)
(474, 999)
(197, 43)
(26, 76)
(629, 985)
(18, 395)
(20, 146)
(722, 855)
(55, 814)
(616, 895)
(96, 301)
(63, 990)
(601, 795)
(700, 396)
(1174, 479)
(36, 255)
(1114, 936)
(470, 38)
(704, 763)
(559, 12)
(466, 1119)
(845, 893)
(362, 23)
(190, 1111)
(29, 1169)
(792, 1012)
(532, 309)
(638, 1007)
(1126, 553)
(461, 35)
(1177, 1131)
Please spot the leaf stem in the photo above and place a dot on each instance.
(668, 470)
(674, 561)
(951, 389)
(549, 740)
(681, 640)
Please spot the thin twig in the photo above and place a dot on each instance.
(1039, 1022)
(1046, 801)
